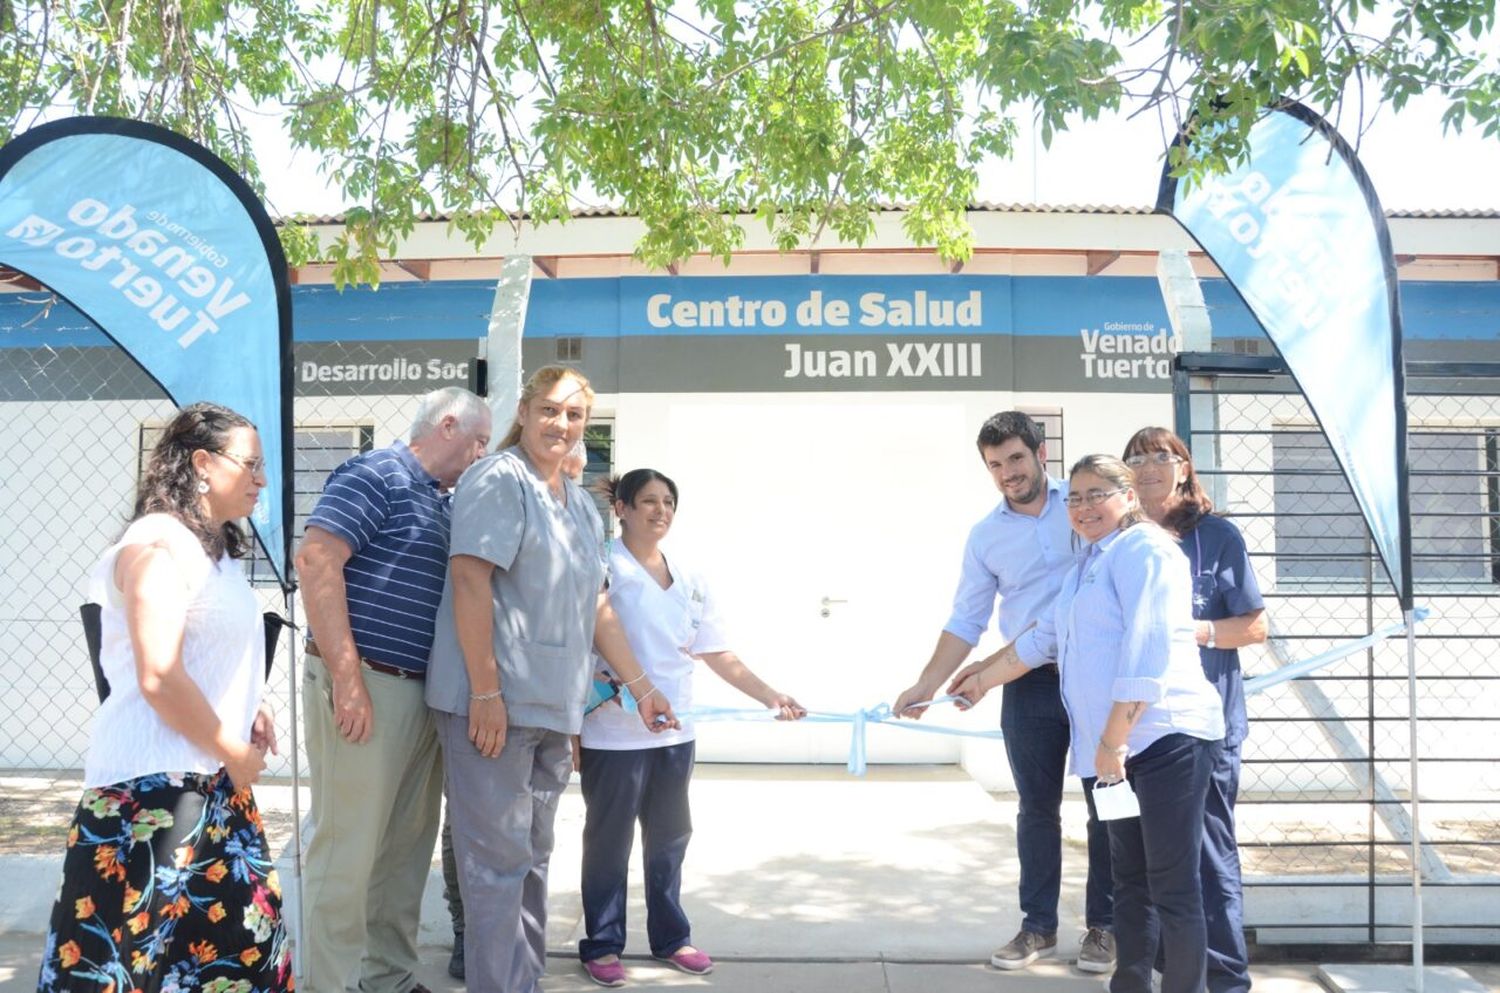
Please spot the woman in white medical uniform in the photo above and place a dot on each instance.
(628, 772)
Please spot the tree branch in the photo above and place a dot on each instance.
(839, 27)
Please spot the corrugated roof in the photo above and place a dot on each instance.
(1485, 215)
(985, 206)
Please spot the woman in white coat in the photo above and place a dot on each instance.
(629, 773)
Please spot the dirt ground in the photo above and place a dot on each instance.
(36, 810)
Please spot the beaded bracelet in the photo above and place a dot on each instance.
(478, 697)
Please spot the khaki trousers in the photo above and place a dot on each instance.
(375, 819)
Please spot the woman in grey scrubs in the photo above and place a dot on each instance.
(522, 606)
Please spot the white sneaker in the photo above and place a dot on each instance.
(1025, 948)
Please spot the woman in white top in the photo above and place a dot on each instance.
(167, 881)
(630, 774)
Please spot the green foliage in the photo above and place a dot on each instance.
(802, 115)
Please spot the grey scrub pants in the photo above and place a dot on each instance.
(503, 810)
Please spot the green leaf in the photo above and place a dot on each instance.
(806, 115)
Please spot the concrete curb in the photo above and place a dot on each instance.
(31, 883)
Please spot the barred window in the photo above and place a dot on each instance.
(599, 439)
(316, 451)
(1321, 536)
(1050, 420)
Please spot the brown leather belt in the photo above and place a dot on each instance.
(380, 667)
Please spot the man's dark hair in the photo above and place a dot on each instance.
(1009, 424)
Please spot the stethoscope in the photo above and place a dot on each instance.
(1199, 602)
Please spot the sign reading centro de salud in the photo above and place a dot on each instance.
(810, 333)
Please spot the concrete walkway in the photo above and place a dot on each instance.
(798, 878)
(19, 961)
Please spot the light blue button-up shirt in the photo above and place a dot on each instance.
(1017, 558)
(1122, 630)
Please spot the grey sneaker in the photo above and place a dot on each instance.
(1025, 948)
(1096, 952)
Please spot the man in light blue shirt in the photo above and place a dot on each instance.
(1018, 555)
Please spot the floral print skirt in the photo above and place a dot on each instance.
(167, 887)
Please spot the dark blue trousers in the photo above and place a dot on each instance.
(1223, 894)
(619, 788)
(1156, 856)
(1036, 744)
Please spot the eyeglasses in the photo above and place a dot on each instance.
(1093, 497)
(254, 465)
(1159, 458)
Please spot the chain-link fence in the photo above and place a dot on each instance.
(79, 423)
(1324, 818)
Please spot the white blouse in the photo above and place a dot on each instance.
(666, 629)
(223, 650)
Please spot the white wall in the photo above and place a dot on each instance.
(67, 475)
(861, 497)
(865, 498)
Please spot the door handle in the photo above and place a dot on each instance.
(827, 604)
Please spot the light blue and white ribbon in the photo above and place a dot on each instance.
(1289, 672)
(858, 720)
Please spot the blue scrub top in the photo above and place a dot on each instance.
(549, 570)
(1223, 586)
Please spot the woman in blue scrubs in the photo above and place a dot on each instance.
(1229, 615)
(511, 663)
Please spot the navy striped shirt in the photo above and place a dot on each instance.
(390, 512)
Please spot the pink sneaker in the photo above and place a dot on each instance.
(689, 960)
(609, 974)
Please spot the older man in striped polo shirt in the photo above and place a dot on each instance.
(372, 565)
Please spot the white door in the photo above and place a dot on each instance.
(831, 528)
